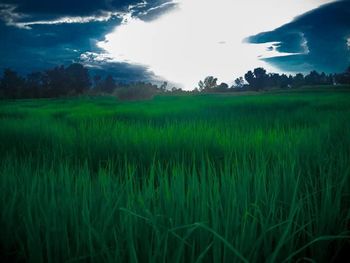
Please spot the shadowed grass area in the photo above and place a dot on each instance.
(209, 178)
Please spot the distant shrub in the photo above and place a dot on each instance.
(138, 91)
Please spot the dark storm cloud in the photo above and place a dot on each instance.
(124, 72)
(102, 64)
(24, 14)
(320, 37)
(45, 9)
(47, 45)
(38, 34)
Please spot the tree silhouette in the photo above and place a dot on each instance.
(250, 78)
(108, 85)
(11, 84)
(343, 78)
(298, 80)
(57, 82)
(312, 78)
(260, 78)
(34, 85)
(75, 80)
(163, 86)
(78, 78)
(347, 75)
(97, 81)
(223, 87)
(208, 83)
(137, 91)
(239, 83)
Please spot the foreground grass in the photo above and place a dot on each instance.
(214, 178)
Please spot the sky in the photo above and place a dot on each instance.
(181, 41)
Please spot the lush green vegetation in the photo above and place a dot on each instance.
(207, 178)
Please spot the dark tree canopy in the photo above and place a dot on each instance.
(208, 83)
(249, 77)
(78, 78)
(239, 83)
(11, 84)
(257, 79)
(75, 80)
(108, 85)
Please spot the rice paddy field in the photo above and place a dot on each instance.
(206, 178)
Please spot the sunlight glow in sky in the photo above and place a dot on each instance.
(203, 37)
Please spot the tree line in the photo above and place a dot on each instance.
(72, 80)
(259, 79)
(75, 80)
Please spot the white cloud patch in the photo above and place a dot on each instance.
(94, 60)
(103, 17)
(11, 17)
(159, 8)
(203, 37)
(304, 44)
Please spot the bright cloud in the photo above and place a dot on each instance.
(103, 17)
(203, 37)
(11, 17)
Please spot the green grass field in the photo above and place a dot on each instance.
(211, 178)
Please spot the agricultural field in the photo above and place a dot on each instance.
(193, 178)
